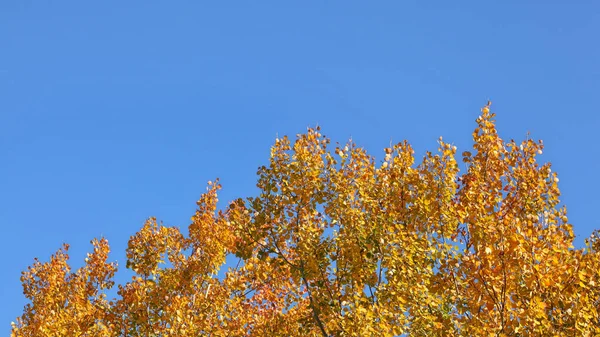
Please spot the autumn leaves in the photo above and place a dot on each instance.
(336, 244)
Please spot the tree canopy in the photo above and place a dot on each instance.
(339, 244)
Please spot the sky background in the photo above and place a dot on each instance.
(111, 112)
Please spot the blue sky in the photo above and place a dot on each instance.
(112, 112)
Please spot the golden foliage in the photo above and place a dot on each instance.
(336, 244)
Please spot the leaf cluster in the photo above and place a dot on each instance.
(338, 244)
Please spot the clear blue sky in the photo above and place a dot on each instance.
(113, 112)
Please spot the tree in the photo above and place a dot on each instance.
(338, 245)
